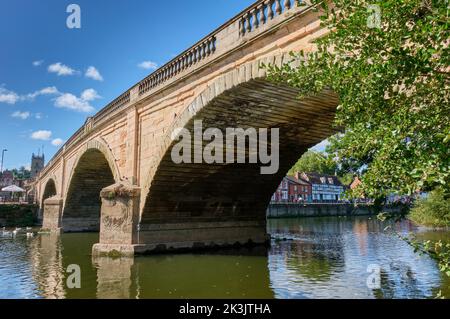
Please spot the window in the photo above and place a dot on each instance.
(295, 188)
(323, 180)
(330, 180)
(285, 195)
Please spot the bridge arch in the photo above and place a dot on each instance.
(50, 189)
(94, 169)
(218, 196)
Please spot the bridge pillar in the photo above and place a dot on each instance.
(52, 214)
(118, 221)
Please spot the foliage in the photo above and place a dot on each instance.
(18, 215)
(313, 161)
(438, 250)
(21, 173)
(392, 82)
(432, 211)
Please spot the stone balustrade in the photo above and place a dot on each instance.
(118, 103)
(186, 60)
(263, 12)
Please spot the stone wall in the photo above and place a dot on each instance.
(321, 210)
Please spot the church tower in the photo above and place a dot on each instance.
(37, 164)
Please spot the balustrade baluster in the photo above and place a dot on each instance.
(255, 18)
(270, 13)
(262, 15)
(194, 57)
(278, 7)
(287, 4)
(248, 17)
(213, 44)
(203, 46)
(242, 26)
(208, 50)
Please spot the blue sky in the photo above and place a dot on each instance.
(53, 77)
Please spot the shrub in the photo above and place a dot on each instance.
(432, 211)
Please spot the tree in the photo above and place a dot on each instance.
(391, 73)
(313, 161)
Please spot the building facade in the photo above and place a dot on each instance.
(325, 188)
(293, 190)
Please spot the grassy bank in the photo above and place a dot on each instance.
(433, 211)
(18, 215)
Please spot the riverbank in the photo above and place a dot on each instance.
(432, 211)
(15, 215)
(294, 210)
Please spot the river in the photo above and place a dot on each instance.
(308, 258)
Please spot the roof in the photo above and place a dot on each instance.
(299, 181)
(324, 179)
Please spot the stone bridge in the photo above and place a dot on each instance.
(115, 174)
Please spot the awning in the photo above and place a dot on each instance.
(13, 188)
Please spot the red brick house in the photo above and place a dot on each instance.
(293, 190)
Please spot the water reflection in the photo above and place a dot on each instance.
(47, 267)
(329, 257)
(114, 277)
(309, 258)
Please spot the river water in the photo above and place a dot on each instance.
(308, 258)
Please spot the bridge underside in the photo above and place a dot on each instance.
(82, 206)
(197, 205)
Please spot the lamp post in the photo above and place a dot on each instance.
(3, 155)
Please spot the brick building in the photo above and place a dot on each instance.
(293, 190)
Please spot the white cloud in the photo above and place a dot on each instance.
(90, 95)
(38, 62)
(93, 73)
(21, 115)
(7, 96)
(57, 142)
(51, 90)
(148, 65)
(42, 135)
(38, 116)
(72, 102)
(61, 69)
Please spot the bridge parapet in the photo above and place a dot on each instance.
(265, 13)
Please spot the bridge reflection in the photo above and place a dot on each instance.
(309, 258)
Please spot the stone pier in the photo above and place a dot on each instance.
(119, 220)
(52, 214)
